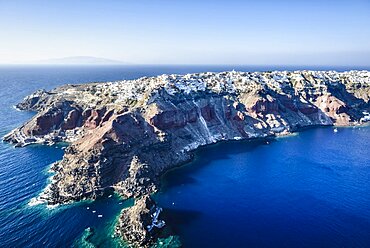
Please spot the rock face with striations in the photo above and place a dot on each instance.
(124, 135)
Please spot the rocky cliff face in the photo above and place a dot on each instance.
(137, 224)
(125, 135)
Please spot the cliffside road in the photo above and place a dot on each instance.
(124, 135)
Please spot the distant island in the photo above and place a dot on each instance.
(79, 60)
(124, 135)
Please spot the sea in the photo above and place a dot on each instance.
(310, 189)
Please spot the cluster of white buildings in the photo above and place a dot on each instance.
(227, 82)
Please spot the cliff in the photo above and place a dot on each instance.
(124, 135)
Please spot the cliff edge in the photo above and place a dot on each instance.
(124, 135)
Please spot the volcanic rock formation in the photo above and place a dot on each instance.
(124, 135)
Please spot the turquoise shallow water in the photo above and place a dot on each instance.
(307, 190)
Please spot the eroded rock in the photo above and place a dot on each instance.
(125, 135)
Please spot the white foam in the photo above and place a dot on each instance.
(35, 201)
(52, 206)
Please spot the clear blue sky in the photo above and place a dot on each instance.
(188, 32)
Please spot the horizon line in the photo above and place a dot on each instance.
(177, 64)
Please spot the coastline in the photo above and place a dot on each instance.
(182, 187)
(146, 127)
(258, 140)
(195, 157)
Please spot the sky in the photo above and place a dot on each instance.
(263, 32)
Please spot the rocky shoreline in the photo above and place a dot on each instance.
(124, 135)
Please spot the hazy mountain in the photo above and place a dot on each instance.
(80, 60)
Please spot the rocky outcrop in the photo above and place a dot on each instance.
(140, 223)
(125, 135)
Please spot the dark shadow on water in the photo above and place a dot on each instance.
(223, 150)
(185, 180)
(205, 155)
(177, 218)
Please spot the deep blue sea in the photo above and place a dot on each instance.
(311, 189)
